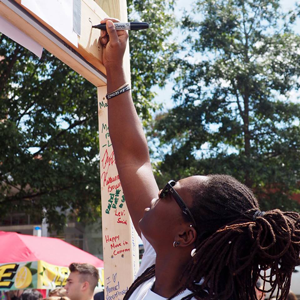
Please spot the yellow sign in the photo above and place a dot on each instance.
(17, 276)
(36, 274)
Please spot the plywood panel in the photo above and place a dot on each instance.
(114, 8)
(84, 59)
(120, 246)
(117, 227)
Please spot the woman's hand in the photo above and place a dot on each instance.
(113, 44)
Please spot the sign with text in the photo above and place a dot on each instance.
(120, 246)
(36, 275)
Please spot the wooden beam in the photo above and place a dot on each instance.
(120, 243)
(84, 58)
(120, 246)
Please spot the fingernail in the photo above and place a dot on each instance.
(110, 24)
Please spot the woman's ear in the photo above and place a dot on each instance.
(187, 236)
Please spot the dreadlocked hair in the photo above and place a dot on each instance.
(148, 274)
(237, 244)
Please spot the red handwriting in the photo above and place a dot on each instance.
(116, 252)
(108, 180)
(120, 213)
(120, 221)
(113, 245)
(112, 239)
(116, 244)
(107, 160)
(113, 187)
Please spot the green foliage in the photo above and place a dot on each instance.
(235, 112)
(49, 138)
(49, 154)
(151, 52)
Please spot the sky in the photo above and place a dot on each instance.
(164, 94)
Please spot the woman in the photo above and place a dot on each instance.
(291, 296)
(204, 236)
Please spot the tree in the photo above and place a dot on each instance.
(235, 109)
(49, 142)
(49, 162)
(152, 51)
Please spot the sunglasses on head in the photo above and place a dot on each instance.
(169, 189)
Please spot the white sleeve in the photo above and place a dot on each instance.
(149, 256)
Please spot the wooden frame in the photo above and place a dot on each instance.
(83, 59)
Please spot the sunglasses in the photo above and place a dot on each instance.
(169, 189)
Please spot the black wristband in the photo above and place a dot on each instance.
(118, 92)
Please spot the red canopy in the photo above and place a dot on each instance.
(16, 248)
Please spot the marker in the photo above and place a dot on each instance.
(125, 26)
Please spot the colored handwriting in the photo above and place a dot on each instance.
(113, 187)
(113, 290)
(112, 239)
(103, 104)
(104, 127)
(121, 251)
(108, 180)
(114, 200)
(107, 160)
(122, 200)
(121, 215)
(107, 136)
(116, 244)
(7, 272)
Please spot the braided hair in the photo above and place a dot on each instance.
(237, 244)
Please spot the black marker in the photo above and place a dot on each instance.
(125, 26)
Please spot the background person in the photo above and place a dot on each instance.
(57, 298)
(30, 294)
(82, 281)
(58, 292)
(99, 296)
(204, 236)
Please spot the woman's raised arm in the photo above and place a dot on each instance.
(126, 132)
